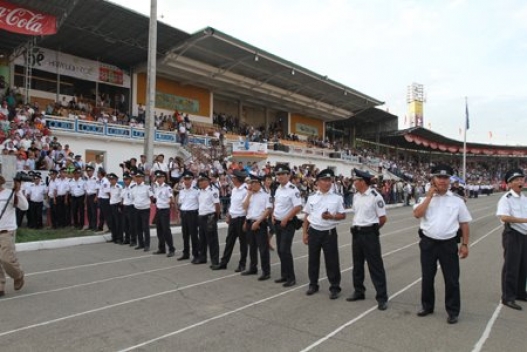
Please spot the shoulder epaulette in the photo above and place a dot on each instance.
(508, 195)
(132, 186)
(195, 187)
(292, 186)
(374, 193)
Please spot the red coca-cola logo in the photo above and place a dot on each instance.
(24, 21)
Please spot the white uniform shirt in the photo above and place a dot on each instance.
(159, 166)
(116, 194)
(141, 194)
(77, 187)
(367, 207)
(8, 220)
(258, 204)
(188, 199)
(207, 199)
(103, 188)
(238, 195)
(36, 193)
(319, 203)
(91, 185)
(163, 194)
(127, 194)
(285, 199)
(62, 186)
(514, 204)
(51, 188)
(443, 215)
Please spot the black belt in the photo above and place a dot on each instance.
(209, 214)
(362, 228)
(321, 231)
(188, 211)
(4, 231)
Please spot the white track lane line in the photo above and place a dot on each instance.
(351, 322)
(486, 333)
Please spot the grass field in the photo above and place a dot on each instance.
(25, 234)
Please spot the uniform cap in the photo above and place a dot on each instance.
(127, 175)
(77, 170)
(239, 173)
(203, 176)
(442, 170)
(111, 176)
(37, 174)
(364, 175)
(326, 173)
(254, 178)
(139, 173)
(282, 169)
(188, 174)
(160, 173)
(512, 174)
(53, 171)
(89, 168)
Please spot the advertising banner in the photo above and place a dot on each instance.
(249, 149)
(17, 19)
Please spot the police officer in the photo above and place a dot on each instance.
(142, 197)
(323, 210)
(51, 198)
(512, 211)
(35, 196)
(287, 204)
(188, 209)
(163, 198)
(115, 220)
(91, 194)
(208, 214)
(103, 199)
(77, 196)
(61, 198)
(258, 205)
(129, 227)
(441, 213)
(9, 201)
(369, 216)
(236, 219)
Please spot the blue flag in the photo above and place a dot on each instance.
(467, 123)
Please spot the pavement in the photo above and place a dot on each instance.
(107, 297)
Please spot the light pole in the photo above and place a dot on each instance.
(151, 84)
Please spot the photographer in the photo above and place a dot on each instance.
(129, 166)
(9, 201)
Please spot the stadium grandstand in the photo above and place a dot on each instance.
(86, 82)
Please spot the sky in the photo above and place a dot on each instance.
(455, 48)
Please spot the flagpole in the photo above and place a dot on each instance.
(465, 143)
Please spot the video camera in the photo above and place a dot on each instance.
(22, 177)
(127, 164)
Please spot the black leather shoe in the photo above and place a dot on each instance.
(334, 295)
(240, 269)
(289, 283)
(249, 272)
(264, 277)
(184, 257)
(424, 312)
(200, 261)
(382, 306)
(126, 242)
(159, 252)
(311, 290)
(146, 249)
(280, 280)
(452, 319)
(139, 247)
(218, 266)
(356, 297)
(194, 260)
(133, 244)
(170, 254)
(2, 293)
(512, 304)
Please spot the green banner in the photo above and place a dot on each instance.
(173, 102)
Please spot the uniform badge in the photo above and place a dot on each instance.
(380, 204)
(215, 195)
(297, 194)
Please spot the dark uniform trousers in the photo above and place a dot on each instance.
(208, 237)
(164, 235)
(327, 241)
(446, 252)
(34, 217)
(367, 247)
(53, 213)
(189, 229)
(257, 241)
(92, 212)
(62, 212)
(116, 221)
(143, 227)
(129, 226)
(20, 216)
(77, 211)
(104, 213)
(284, 242)
(235, 231)
(514, 272)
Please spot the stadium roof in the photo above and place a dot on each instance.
(96, 30)
(220, 62)
(424, 139)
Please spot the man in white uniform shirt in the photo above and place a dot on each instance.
(258, 205)
(164, 199)
(103, 199)
(142, 196)
(91, 195)
(62, 187)
(115, 220)
(188, 210)
(35, 196)
(287, 203)
(512, 212)
(369, 216)
(9, 201)
(77, 196)
(129, 227)
(208, 214)
(441, 214)
(236, 220)
(323, 210)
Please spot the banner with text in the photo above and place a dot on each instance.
(17, 19)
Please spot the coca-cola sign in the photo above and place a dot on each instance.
(20, 20)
